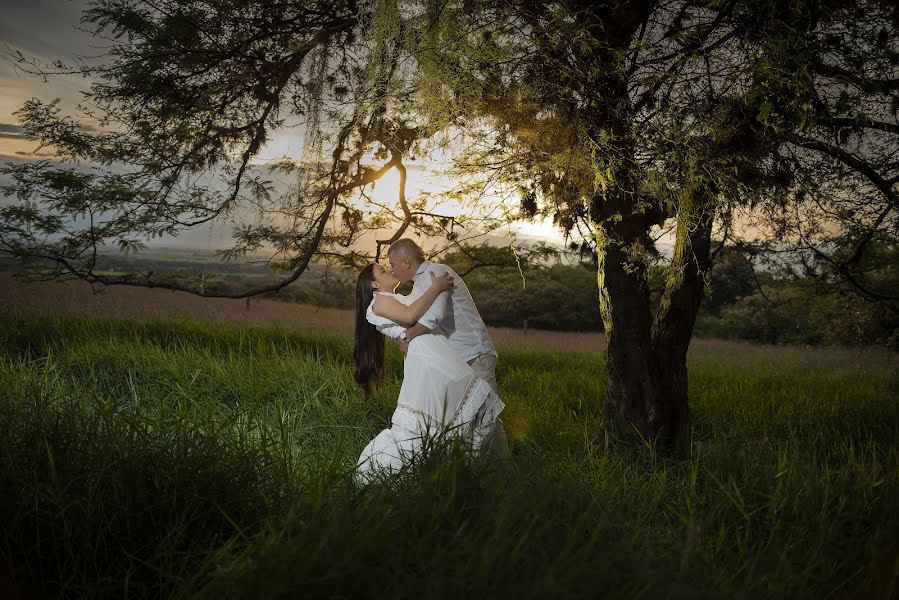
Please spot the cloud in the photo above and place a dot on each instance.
(21, 156)
(11, 131)
(37, 154)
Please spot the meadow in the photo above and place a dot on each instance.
(162, 457)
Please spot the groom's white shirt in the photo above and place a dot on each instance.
(458, 318)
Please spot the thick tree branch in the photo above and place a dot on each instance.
(866, 84)
(856, 163)
(859, 121)
(407, 215)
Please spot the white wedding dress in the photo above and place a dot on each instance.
(440, 397)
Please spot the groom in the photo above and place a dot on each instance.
(454, 313)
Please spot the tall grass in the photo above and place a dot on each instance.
(162, 458)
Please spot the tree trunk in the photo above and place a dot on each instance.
(646, 369)
(679, 305)
(646, 361)
(632, 375)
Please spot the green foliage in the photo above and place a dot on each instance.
(328, 292)
(558, 297)
(782, 305)
(529, 284)
(790, 308)
(732, 277)
(792, 312)
(163, 459)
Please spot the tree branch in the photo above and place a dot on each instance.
(852, 161)
(859, 121)
(870, 86)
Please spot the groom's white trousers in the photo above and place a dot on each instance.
(484, 366)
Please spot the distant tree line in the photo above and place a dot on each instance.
(745, 298)
(536, 290)
(799, 304)
(542, 287)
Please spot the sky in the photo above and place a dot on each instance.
(46, 30)
(50, 30)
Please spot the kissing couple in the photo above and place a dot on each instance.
(449, 373)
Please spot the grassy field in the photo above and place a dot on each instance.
(148, 458)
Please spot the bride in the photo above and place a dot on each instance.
(440, 395)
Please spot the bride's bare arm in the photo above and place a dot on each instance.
(396, 311)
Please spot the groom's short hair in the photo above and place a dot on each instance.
(409, 248)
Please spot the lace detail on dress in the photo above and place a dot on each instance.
(412, 409)
(466, 397)
(475, 413)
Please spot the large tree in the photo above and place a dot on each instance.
(711, 120)
(768, 124)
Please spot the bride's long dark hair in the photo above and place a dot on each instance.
(368, 346)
